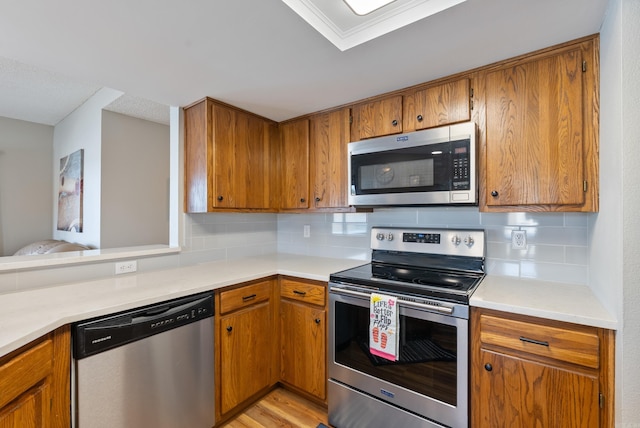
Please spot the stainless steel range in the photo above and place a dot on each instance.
(430, 274)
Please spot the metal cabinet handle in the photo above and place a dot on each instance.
(229, 328)
(302, 200)
(394, 122)
(488, 367)
(535, 342)
(220, 198)
(300, 293)
(318, 199)
(317, 320)
(419, 117)
(494, 193)
(247, 298)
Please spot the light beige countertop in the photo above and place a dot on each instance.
(552, 300)
(27, 315)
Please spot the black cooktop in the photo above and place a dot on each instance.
(442, 264)
(442, 284)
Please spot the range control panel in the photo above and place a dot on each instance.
(458, 242)
(424, 238)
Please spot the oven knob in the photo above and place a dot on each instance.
(390, 237)
(455, 240)
(469, 241)
(380, 236)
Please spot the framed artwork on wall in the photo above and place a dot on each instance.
(70, 192)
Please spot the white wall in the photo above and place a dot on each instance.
(614, 251)
(82, 130)
(135, 182)
(629, 373)
(25, 184)
(607, 226)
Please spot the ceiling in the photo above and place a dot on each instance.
(255, 54)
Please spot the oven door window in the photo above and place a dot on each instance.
(413, 169)
(428, 352)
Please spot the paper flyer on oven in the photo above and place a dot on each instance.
(383, 327)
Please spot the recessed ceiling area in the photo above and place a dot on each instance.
(258, 55)
(347, 25)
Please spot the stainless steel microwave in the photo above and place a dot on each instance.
(431, 167)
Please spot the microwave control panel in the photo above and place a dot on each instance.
(461, 169)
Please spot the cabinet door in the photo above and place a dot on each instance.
(377, 118)
(438, 105)
(534, 132)
(251, 162)
(30, 410)
(35, 383)
(328, 159)
(224, 135)
(515, 393)
(303, 342)
(245, 343)
(294, 151)
(241, 159)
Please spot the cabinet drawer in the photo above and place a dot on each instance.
(244, 296)
(560, 343)
(309, 293)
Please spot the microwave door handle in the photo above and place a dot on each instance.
(442, 309)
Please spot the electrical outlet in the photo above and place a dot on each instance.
(126, 267)
(518, 239)
(307, 230)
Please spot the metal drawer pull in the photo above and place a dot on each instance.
(300, 293)
(250, 297)
(443, 309)
(535, 342)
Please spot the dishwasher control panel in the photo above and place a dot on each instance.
(100, 334)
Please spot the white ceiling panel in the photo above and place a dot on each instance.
(256, 54)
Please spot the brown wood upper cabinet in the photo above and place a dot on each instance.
(313, 155)
(35, 383)
(228, 160)
(329, 138)
(541, 132)
(294, 158)
(437, 105)
(377, 118)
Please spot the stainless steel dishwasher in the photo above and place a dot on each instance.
(151, 366)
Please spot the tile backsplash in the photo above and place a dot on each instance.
(557, 243)
(220, 236)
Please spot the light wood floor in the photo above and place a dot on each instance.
(280, 408)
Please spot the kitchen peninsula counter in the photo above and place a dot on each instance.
(29, 314)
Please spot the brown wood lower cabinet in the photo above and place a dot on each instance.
(35, 383)
(303, 336)
(246, 340)
(531, 372)
(255, 350)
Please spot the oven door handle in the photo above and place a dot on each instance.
(442, 309)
